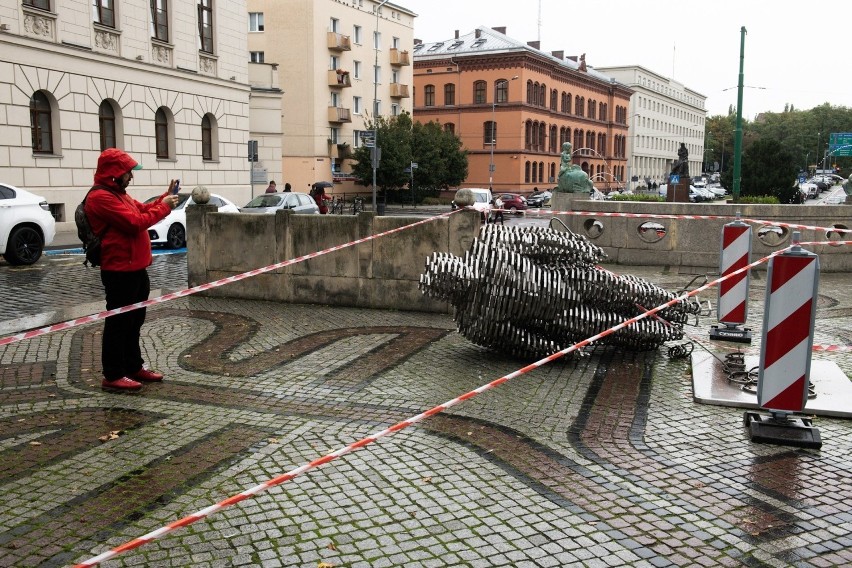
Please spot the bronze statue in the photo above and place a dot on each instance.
(572, 178)
(681, 166)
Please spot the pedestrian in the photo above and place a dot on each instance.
(271, 187)
(319, 195)
(498, 209)
(287, 187)
(122, 222)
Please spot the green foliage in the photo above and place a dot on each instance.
(766, 199)
(769, 169)
(441, 163)
(637, 197)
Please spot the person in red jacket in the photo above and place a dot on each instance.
(123, 225)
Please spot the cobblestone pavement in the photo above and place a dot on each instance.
(598, 461)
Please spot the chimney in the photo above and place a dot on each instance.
(500, 29)
(417, 41)
(560, 55)
(572, 58)
(457, 34)
(534, 44)
(478, 33)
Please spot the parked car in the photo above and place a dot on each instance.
(26, 225)
(540, 199)
(513, 202)
(171, 231)
(809, 190)
(482, 202)
(288, 201)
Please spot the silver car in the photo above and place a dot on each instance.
(288, 201)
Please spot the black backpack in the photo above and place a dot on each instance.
(91, 241)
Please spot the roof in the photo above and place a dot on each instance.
(493, 42)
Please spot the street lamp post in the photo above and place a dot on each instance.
(376, 152)
(632, 140)
(491, 134)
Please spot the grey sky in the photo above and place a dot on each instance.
(794, 52)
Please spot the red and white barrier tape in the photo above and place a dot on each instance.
(202, 287)
(258, 489)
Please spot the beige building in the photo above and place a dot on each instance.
(337, 60)
(663, 114)
(166, 80)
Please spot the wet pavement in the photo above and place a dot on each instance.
(603, 460)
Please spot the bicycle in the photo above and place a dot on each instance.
(357, 205)
(337, 206)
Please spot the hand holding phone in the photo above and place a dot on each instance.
(176, 187)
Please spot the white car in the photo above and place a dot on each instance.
(171, 231)
(286, 201)
(26, 225)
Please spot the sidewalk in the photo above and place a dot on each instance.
(600, 461)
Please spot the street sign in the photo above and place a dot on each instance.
(674, 178)
(252, 150)
(368, 137)
(840, 143)
(413, 165)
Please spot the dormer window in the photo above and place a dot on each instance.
(456, 44)
(436, 47)
(479, 42)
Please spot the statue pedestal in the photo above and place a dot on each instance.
(679, 193)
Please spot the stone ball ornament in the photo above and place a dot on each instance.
(534, 291)
(200, 195)
(464, 197)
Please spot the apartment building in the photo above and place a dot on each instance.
(513, 106)
(166, 80)
(340, 63)
(663, 114)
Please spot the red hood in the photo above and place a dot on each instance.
(113, 163)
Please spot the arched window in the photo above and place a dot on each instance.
(591, 109)
(553, 137)
(602, 111)
(450, 127)
(479, 88)
(578, 105)
(450, 94)
(528, 138)
(164, 131)
(578, 139)
(501, 91)
(209, 138)
(552, 172)
(542, 134)
(41, 123)
(530, 93)
(429, 95)
(109, 125)
(527, 172)
(590, 140)
(542, 95)
(534, 171)
(540, 172)
(554, 96)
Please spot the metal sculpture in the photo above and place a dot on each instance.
(533, 291)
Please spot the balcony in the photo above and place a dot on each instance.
(339, 114)
(339, 42)
(398, 91)
(398, 57)
(339, 78)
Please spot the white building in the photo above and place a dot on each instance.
(166, 80)
(663, 114)
(336, 59)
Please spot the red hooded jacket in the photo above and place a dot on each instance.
(121, 220)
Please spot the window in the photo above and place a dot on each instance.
(160, 20)
(429, 95)
(377, 106)
(40, 4)
(479, 92)
(256, 56)
(395, 43)
(334, 62)
(489, 133)
(377, 40)
(394, 76)
(106, 122)
(356, 34)
(450, 127)
(209, 137)
(356, 138)
(333, 24)
(335, 100)
(41, 123)
(377, 74)
(255, 21)
(164, 133)
(449, 94)
(205, 25)
(527, 172)
(356, 105)
(356, 69)
(103, 12)
(334, 134)
(501, 91)
(394, 109)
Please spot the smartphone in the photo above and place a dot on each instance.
(176, 187)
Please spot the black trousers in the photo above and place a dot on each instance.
(121, 354)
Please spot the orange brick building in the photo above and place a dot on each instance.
(514, 105)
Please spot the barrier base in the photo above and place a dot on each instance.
(739, 335)
(788, 431)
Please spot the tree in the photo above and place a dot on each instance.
(394, 138)
(441, 161)
(769, 168)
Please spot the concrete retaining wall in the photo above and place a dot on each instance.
(380, 273)
(697, 242)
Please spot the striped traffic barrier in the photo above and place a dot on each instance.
(732, 305)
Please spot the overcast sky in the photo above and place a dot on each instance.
(795, 52)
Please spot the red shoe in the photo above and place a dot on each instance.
(122, 384)
(147, 376)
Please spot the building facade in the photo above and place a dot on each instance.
(663, 114)
(166, 80)
(513, 106)
(339, 61)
